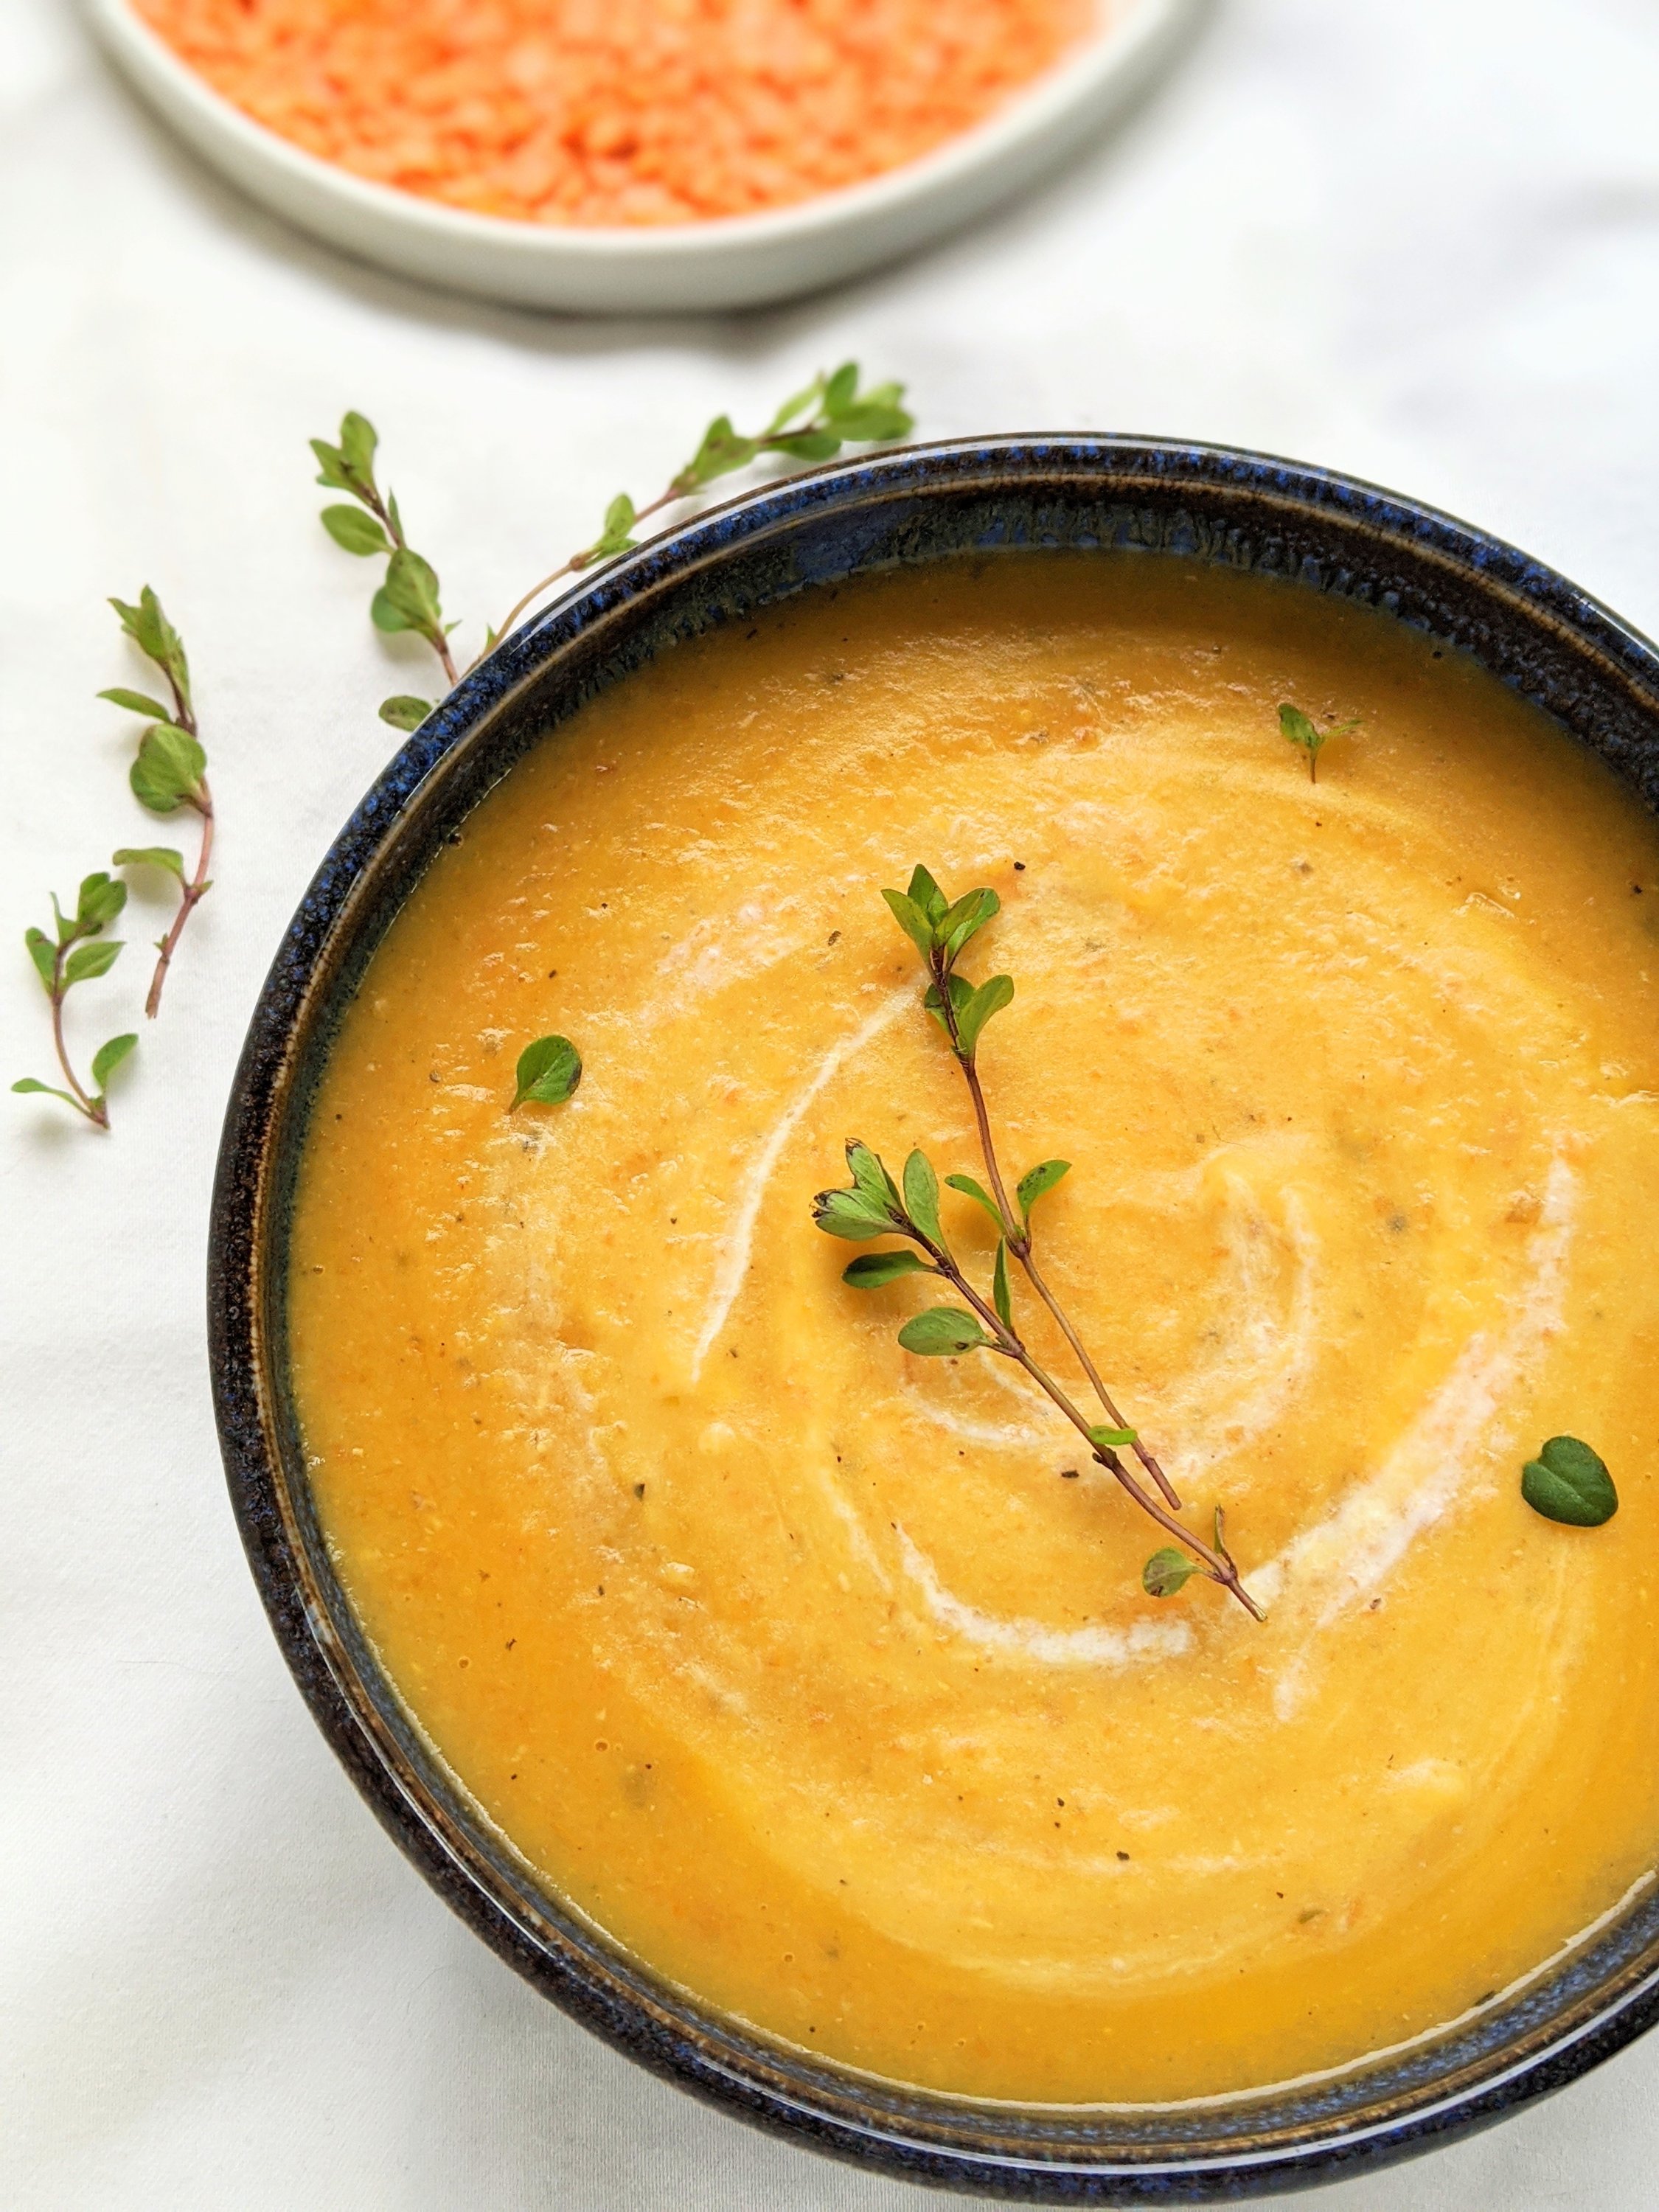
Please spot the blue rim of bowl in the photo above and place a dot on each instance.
(1313, 529)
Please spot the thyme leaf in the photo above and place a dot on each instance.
(1167, 1571)
(547, 1073)
(1036, 1183)
(980, 1196)
(942, 1333)
(1000, 1296)
(1569, 1482)
(872, 1270)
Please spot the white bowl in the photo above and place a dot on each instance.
(729, 262)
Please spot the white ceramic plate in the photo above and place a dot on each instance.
(731, 262)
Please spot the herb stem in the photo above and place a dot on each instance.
(190, 898)
(680, 487)
(1019, 1235)
(95, 1111)
(573, 566)
(1219, 1568)
(1141, 1452)
(191, 893)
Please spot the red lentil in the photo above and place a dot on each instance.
(632, 111)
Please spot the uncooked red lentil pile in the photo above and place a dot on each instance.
(619, 111)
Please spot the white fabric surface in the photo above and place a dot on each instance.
(1416, 238)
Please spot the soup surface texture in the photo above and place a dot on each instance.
(790, 1658)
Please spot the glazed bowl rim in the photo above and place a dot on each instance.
(830, 2107)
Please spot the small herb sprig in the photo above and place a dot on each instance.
(407, 599)
(811, 425)
(1300, 729)
(875, 1205)
(169, 772)
(76, 951)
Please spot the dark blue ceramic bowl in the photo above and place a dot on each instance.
(1322, 534)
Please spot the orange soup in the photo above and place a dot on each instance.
(820, 1674)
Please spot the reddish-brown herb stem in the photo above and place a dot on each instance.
(1018, 1234)
(95, 1109)
(1216, 1564)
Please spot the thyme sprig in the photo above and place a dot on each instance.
(875, 1205)
(169, 772)
(76, 951)
(407, 599)
(1298, 728)
(812, 425)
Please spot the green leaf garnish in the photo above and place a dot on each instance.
(721, 451)
(925, 893)
(966, 919)
(1167, 1571)
(349, 466)
(962, 992)
(1569, 1482)
(1038, 1182)
(872, 1269)
(871, 1178)
(44, 953)
(942, 1333)
(1000, 1297)
(137, 702)
(912, 921)
(108, 1057)
(849, 1214)
(101, 897)
(980, 1195)
(409, 598)
(838, 391)
(1105, 1440)
(1301, 730)
(50, 1089)
(357, 443)
(88, 961)
(921, 1196)
(806, 445)
(617, 535)
(354, 531)
(150, 856)
(989, 999)
(169, 767)
(147, 625)
(547, 1073)
(798, 402)
(405, 711)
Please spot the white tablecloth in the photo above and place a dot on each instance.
(1416, 238)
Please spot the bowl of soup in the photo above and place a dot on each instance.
(797, 1700)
